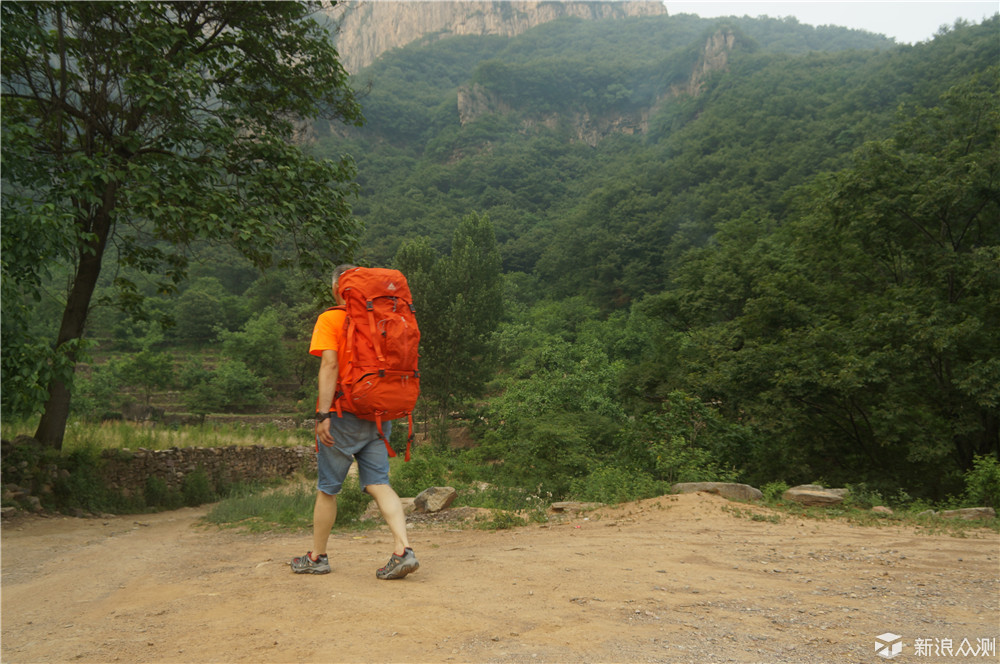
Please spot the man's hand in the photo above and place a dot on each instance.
(323, 433)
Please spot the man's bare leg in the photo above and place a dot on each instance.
(324, 516)
(392, 511)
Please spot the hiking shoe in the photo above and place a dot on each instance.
(306, 565)
(399, 566)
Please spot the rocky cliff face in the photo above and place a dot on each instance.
(474, 101)
(369, 28)
(714, 57)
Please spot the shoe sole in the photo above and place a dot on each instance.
(401, 571)
(311, 571)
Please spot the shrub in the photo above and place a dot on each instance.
(82, 486)
(95, 394)
(159, 496)
(546, 451)
(502, 520)
(237, 386)
(774, 490)
(428, 468)
(231, 387)
(148, 371)
(193, 373)
(351, 503)
(687, 441)
(203, 308)
(613, 484)
(982, 482)
(863, 495)
(197, 488)
(259, 343)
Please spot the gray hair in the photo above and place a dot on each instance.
(339, 270)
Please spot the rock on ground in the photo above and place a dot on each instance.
(729, 490)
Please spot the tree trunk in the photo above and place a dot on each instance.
(52, 425)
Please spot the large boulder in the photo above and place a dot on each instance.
(813, 495)
(970, 513)
(373, 512)
(435, 499)
(572, 506)
(729, 490)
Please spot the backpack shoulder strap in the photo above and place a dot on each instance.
(338, 393)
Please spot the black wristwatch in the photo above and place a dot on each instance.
(322, 416)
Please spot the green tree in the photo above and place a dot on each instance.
(556, 416)
(682, 441)
(98, 391)
(859, 338)
(147, 370)
(146, 126)
(260, 344)
(205, 308)
(416, 259)
(917, 219)
(459, 301)
(230, 387)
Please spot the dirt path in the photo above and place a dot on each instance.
(689, 578)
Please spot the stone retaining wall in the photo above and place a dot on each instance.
(128, 471)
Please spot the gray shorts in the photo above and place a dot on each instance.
(354, 439)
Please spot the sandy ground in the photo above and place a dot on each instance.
(690, 578)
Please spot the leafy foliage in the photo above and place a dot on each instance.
(782, 269)
(982, 482)
(203, 308)
(556, 414)
(148, 370)
(614, 484)
(860, 333)
(459, 302)
(141, 128)
(685, 441)
(260, 344)
(230, 387)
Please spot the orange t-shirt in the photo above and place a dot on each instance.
(328, 334)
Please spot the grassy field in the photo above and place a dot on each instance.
(120, 434)
(288, 505)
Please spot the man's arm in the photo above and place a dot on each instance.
(327, 388)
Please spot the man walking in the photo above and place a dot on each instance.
(342, 439)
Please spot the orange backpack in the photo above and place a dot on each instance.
(381, 381)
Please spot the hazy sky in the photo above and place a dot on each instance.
(907, 21)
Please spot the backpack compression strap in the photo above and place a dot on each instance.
(374, 333)
(409, 437)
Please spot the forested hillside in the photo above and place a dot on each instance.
(649, 250)
(791, 101)
(787, 234)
